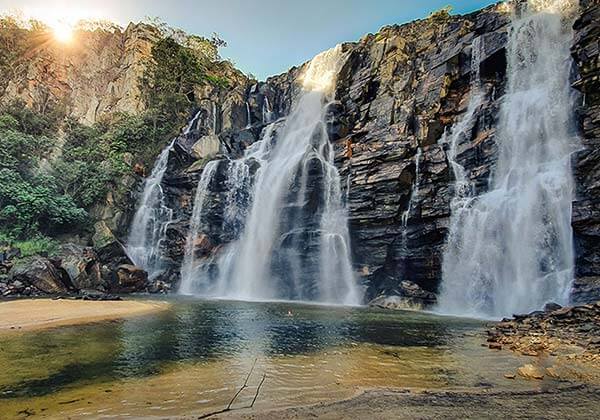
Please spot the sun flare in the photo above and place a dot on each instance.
(63, 32)
(62, 21)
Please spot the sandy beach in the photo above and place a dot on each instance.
(36, 314)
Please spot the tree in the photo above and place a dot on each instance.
(169, 80)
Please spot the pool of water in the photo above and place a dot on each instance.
(192, 359)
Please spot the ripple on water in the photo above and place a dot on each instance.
(195, 356)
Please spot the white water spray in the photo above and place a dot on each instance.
(510, 250)
(248, 116)
(191, 268)
(267, 112)
(269, 259)
(414, 194)
(149, 227)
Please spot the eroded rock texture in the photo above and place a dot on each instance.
(396, 94)
(97, 76)
(586, 162)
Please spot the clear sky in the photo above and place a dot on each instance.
(265, 37)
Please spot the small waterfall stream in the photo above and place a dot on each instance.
(190, 267)
(248, 116)
(510, 250)
(149, 226)
(292, 227)
(414, 194)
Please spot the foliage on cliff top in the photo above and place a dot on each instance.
(178, 65)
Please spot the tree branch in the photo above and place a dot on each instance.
(244, 386)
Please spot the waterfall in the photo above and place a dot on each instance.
(414, 194)
(510, 250)
(192, 123)
(190, 269)
(215, 118)
(149, 227)
(267, 111)
(248, 116)
(293, 241)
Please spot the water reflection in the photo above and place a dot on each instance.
(206, 348)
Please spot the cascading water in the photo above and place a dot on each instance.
(293, 239)
(267, 112)
(414, 195)
(151, 220)
(192, 123)
(510, 250)
(190, 269)
(248, 116)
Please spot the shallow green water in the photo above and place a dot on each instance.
(193, 357)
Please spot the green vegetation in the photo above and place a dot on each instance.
(179, 64)
(46, 189)
(39, 245)
(442, 15)
(54, 170)
(31, 200)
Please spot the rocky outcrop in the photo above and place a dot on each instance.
(545, 332)
(586, 161)
(407, 295)
(39, 275)
(75, 270)
(130, 279)
(95, 76)
(81, 267)
(396, 94)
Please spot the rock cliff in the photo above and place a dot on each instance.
(586, 161)
(397, 93)
(95, 76)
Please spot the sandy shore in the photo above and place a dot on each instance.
(568, 402)
(36, 314)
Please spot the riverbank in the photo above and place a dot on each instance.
(572, 402)
(38, 314)
(570, 336)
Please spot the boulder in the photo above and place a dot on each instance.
(81, 265)
(551, 307)
(40, 273)
(408, 295)
(206, 147)
(130, 279)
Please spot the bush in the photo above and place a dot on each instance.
(34, 246)
(36, 205)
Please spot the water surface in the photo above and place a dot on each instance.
(192, 358)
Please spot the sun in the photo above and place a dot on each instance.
(63, 31)
(63, 22)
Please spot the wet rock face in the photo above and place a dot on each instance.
(586, 162)
(396, 94)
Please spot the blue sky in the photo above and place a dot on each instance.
(265, 37)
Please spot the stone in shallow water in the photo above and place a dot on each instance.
(551, 307)
(530, 371)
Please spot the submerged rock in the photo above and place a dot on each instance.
(530, 371)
